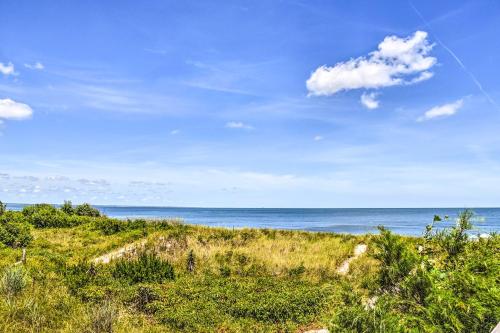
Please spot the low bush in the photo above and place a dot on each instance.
(80, 275)
(449, 285)
(113, 226)
(103, 317)
(146, 268)
(14, 231)
(14, 280)
(263, 301)
(86, 210)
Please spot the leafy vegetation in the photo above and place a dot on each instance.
(443, 282)
(91, 273)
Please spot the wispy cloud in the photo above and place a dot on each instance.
(441, 111)
(37, 65)
(457, 59)
(238, 124)
(318, 138)
(397, 61)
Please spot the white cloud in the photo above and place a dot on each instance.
(370, 100)
(238, 124)
(175, 132)
(445, 110)
(397, 61)
(7, 69)
(10, 109)
(37, 65)
(318, 138)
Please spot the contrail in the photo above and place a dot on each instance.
(457, 59)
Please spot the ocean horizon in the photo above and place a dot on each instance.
(404, 221)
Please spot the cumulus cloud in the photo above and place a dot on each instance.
(37, 65)
(238, 124)
(10, 109)
(397, 61)
(369, 100)
(7, 69)
(440, 111)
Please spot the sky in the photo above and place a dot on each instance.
(250, 103)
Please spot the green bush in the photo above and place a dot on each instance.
(451, 285)
(87, 210)
(253, 302)
(48, 216)
(146, 268)
(103, 316)
(14, 231)
(113, 226)
(67, 208)
(396, 260)
(14, 280)
(80, 275)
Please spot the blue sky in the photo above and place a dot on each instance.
(250, 103)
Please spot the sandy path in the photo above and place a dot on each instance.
(359, 250)
(119, 253)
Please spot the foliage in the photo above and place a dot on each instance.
(449, 285)
(103, 317)
(3, 208)
(86, 210)
(241, 280)
(49, 216)
(14, 231)
(275, 302)
(13, 281)
(67, 207)
(113, 226)
(190, 261)
(395, 259)
(146, 268)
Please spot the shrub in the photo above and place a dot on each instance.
(14, 231)
(14, 280)
(190, 261)
(3, 208)
(79, 275)
(110, 226)
(87, 210)
(67, 208)
(297, 271)
(146, 268)
(449, 286)
(144, 297)
(396, 261)
(113, 226)
(103, 317)
(47, 216)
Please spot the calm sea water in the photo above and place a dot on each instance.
(407, 221)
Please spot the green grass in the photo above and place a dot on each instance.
(176, 277)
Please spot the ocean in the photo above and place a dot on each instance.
(405, 221)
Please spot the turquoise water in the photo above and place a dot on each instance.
(406, 221)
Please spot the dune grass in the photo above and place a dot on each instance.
(165, 276)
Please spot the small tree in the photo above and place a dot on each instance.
(67, 207)
(395, 258)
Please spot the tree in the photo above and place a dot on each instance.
(67, 207)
